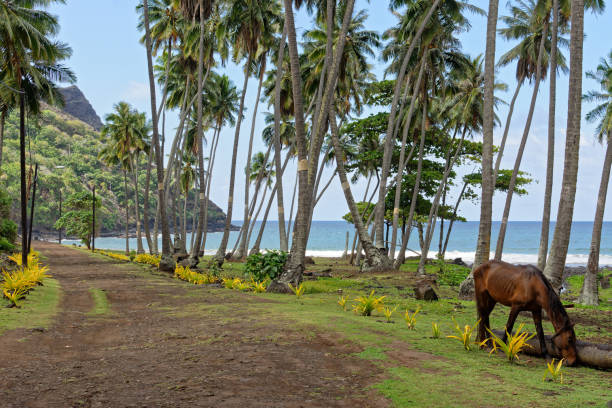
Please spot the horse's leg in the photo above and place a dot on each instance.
(511, 319)
(537, 319)
(485, 305)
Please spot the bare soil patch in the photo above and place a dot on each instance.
(153, 350)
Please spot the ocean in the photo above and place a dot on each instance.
(327, 239)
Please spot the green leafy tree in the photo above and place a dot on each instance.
(78, 220)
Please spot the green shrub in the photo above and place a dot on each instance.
(5, 245)
(264, 266)
(8, 230)
(5, 204)
(451, 275)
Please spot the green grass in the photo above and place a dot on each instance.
(443, 374)
(451, 376)
(605, 295)
(37, 309)
(101, 305)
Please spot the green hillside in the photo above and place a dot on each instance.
(57, 139)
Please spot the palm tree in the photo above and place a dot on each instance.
(422, 12)
(555, 264)
(31, 63)
(527, 24)
(486, 204)
(111, 157)
(247, 22)
(603, 113)
(560, 15)
(221, 98)
(167, 262)
(128, 133)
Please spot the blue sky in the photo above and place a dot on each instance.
(110, 64)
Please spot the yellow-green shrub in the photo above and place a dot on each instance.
(147, 259)
(17, 283)
(465, 335)
(367, 304)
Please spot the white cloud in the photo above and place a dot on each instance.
(136, 92)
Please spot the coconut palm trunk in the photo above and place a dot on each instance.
(374, 258)
(588, 294)
(401, 256)
(139, 247)
(211, 164)
(167, 262)
(242, 249)
(521, 150)
(389, 138)
(433, 211)
(555, 264)
(282, 231)
(452, 221)
(550, 157)
(220, 255)
(195, 251)
(257, 245)
(2, 122)
(127, 215)
(295, 264)
(400, 170)
(146, 206)
(483, 247)
(502, 144)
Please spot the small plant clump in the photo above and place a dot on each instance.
(516, 343)
(388, 312)
(298, 291)
(147, 259)
(435, 330)
(19, 282)
(342, 302)
(368, 304)
(259, 287)
(555, 371)
(411, 319)
(465, 335)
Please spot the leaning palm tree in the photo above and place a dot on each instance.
(221, 97)
(527, 24)
(167, 261)
(555, 264)
(247, 22)
(483, 244)
(603, 114)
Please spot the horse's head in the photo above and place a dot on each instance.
(565, 341)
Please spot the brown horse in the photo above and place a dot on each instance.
(523, 288)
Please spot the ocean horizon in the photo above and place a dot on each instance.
(327, 239)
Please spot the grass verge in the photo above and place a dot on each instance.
(37, 310)
(101, 304)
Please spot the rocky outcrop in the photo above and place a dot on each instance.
(77, 105)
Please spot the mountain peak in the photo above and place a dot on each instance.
(78, 106)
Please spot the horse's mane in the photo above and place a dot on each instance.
(554, 302)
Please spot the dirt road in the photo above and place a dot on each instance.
(165, 343)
